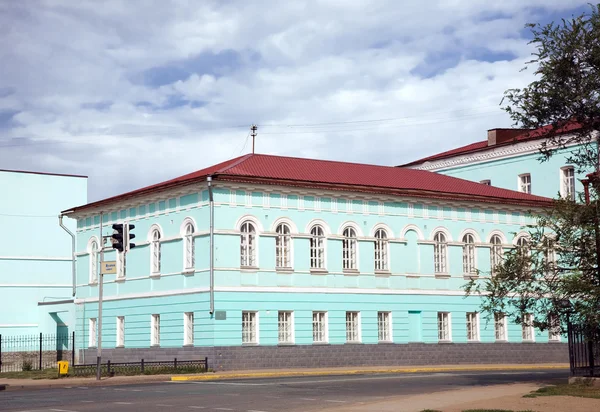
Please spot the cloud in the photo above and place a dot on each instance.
(131, 94)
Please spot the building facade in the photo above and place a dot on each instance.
(36, 253)
(510, 159)
(311, 263)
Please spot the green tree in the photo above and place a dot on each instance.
(557, 273)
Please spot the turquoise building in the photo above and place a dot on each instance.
(509, 158)
(267, 261)
(36, 254)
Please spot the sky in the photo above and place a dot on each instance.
(134, 92)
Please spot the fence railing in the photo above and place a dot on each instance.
(35, 352)
(141, 368)
(584, 350)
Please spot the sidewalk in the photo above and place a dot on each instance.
(15, 384)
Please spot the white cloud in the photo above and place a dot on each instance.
(78, 74)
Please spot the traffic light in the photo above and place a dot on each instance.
(118, 237)
(122, 236)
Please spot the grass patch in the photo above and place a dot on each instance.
(51, 373)
(579, 390)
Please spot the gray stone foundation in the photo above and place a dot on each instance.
(319, 356)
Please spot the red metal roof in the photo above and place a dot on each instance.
(483, 145)
(332, 175)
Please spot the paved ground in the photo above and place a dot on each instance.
(258, 395)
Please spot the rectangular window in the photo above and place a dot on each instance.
(500, 326)
(249, 327)
(155, 331)
(554, 328)
(444, 326)
(525, 183)
(92, 332)
(567, 183)
(120, 331)
(188, 327)
(384, 326)
(352, 326)
(319, 320)
(527, 326)
(285, 322)
(472, 326)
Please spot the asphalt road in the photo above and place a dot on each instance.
(257, 395)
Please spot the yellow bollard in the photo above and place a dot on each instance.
(63, 367)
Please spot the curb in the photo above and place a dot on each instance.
(257, 375)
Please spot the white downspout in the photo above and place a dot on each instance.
(60, 222)
(211, 244)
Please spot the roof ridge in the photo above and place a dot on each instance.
(239, 161)
(326, 160)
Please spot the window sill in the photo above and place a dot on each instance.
(501, 341)
(154, 275)
(188, 345)
(286, 344)
(156, 345)
(527, 341)
(467, 276)
(353, 343)
(93, 283)
(320, 343)
(318, 271)
(120, 347)
(445, 341)
(249, 268)
(120, 279)
(250, 344)
(554, 341)
(351, 272)
(188, 272)
(386, 342)
(383, 273)
(474, 341)
(442, 275)
(284, 270)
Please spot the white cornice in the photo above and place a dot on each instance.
(492, 153)
(42, 258)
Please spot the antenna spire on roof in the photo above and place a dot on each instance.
(253, 128)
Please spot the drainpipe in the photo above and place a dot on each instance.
(211, 208)
(60, 222)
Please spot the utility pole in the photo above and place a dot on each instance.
(253, 128)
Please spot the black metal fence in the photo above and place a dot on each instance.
(584, 350)
(35, 352)
(141, 368)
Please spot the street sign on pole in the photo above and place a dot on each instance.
(109, 267)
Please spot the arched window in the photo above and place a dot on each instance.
(468, 254)
(155, 251)
(248, 245)
(317, 247)
(189, 261)
(522, 246)
(549, 246)
(349, 249)
(93, 251)
(496, 252)
(440, 253)
(381, 250)
(283, 246)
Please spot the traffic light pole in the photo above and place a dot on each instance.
(100, 290)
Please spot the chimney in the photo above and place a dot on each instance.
(498, 136)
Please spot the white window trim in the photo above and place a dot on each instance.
(186, 237)
(563, 187)
(155, 246)
(495, 258)
(188, 326)
(291, 322)
(93, 260)
(477, 327)
(359, 326)
(252, 254)
(383, 261)
(440, 254)
(120, 332)
(155, 330)
(92, 332)
(449, 324)
(521, 185)
(287, 253)
(469, 260)
(529, 328)
(505, 328)
(256, 326)
(323, 267)
(552, 336)
(390, 327)
(349, 250)
(325, 329)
